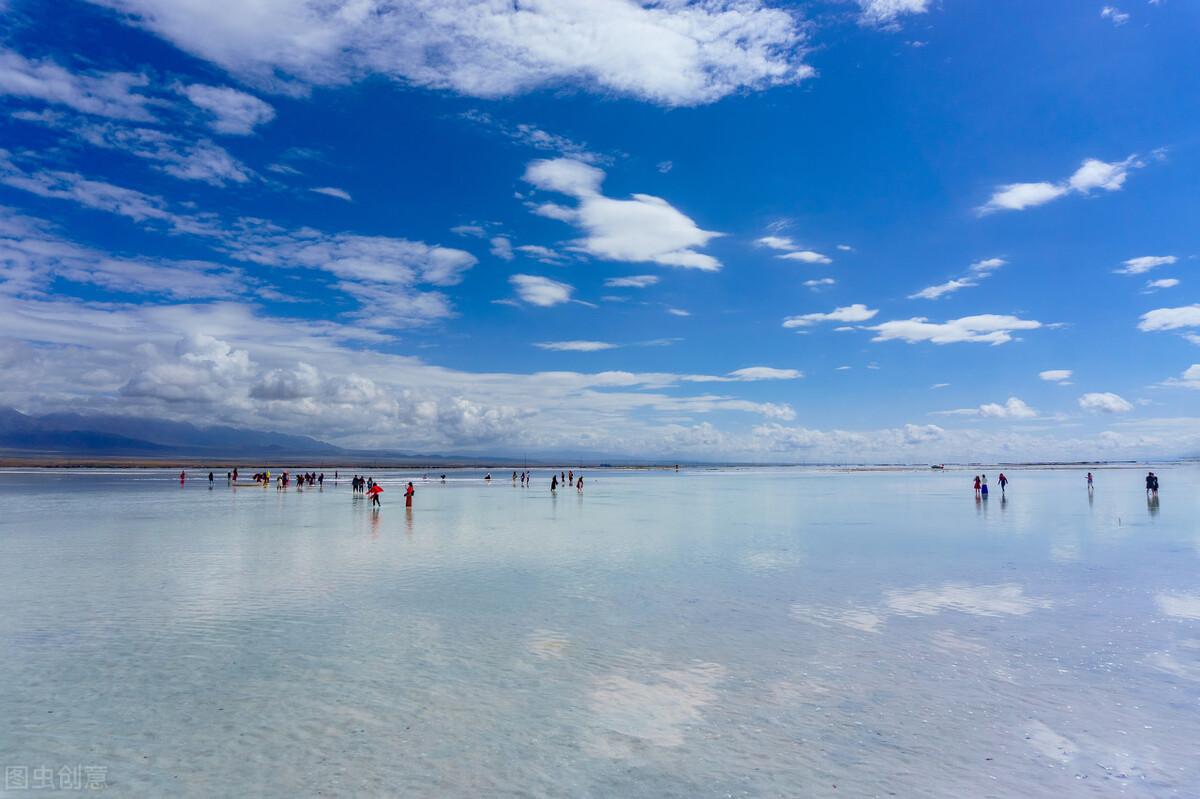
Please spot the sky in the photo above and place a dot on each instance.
(726, 230)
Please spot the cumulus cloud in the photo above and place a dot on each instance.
(1013, 409)
(1138, 266)
(850, 313)
(1092, 174)
(1170, 318)
(674, 54)
(575, 346)
(987, 328)
(541, 291)
(644, 228)
(632, 282)
(233, 112)
(1056, 375)
(1104, 403)
(107, 94)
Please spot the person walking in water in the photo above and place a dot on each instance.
(408, 495)
(1150, 482)
(554, 483)
(977, 486)
(1090, 488)
(1003, 482)
(983, 486)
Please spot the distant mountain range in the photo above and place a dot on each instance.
(63, 435)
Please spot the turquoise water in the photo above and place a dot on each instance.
(756, 632)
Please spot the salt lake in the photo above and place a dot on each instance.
(701, 633)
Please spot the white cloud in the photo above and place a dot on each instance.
(765, 373)
(188, 160)
(933, 292)
(644, 228)
(850, 313)
(1095, 174)
(1056, 375)
(678, 312)
(987, 328)
(330, 191)
(535, 137)
(632, 282)
(807, 256)
(1165, 283)
(1019, 196)
(502, 248)
(575, 346)
(975, 272)
(1138, 266)
(1189, 379)
(234, 113)
(475, 231)
(885, 12)
(1170, 318)
(543, 254)
(542, 291)
(821, 283)
(792, 251)
(107, 94)
(1013, 409)
(1092, 174)
(1104, 403)
(986, 267)
(669, 53)
(1113, 13)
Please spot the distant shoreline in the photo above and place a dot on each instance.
(193, 463)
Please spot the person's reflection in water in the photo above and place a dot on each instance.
(1003, 501)
(375, 524)
(1152, 504)
(408, 520)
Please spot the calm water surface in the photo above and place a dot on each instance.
(757, 632)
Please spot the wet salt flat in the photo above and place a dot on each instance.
(756, 632)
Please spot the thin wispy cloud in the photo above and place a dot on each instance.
(632, 282)
(1056, 375)
(574, 346)
(1139, 266)
(1115, 15)
(118, 95)
(330, 191)
(975, 273)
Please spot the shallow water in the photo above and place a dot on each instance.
(756, 632)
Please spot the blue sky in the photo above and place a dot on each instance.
(871, 230)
